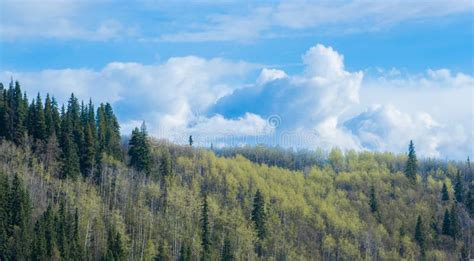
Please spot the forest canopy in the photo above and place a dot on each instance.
(71, 188)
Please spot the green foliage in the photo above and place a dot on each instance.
(139, 150)
(444, 193)
(205, 231)
(269, 203)
(458, 189)
(412, 163)
(227, 251)
(420, 236)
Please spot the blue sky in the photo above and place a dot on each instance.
(353, 74)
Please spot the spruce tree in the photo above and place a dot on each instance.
(459, 189)
(18, 115)
(444, 193)
(434, 228)
(185, 252)
(4, 216)
(88, 154)
(373, 200)
(412, 164)
(455, 229)
(139, 150)
(470, 203)
(40, 121)
(227, 251)
(205, 231)
(48, 116)
(420, 235)
(259, 218)
(446, 223)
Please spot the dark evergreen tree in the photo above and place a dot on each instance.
(420, 236)
(446, 223)
(412, 163)
(191, 140)
(205, 231)
(18, 114)
(48, 116)
(4, 217)
(455, 229)
(185, 252)
(459, 189)
(70, 158)
(18, 221)
(373, 200)
(39, 244)
(259, 218)
(139, 150)
(88, 155)
(227, 251)
(40, 121)
(163, 254)
(470, 203)
(444, 193)
(434, 228)
(115, 248)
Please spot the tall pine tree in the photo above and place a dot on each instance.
(412, 163)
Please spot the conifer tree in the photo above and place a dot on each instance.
(444, 193)
(88, 154)
(470, 203)
(70, 158)
(458, 189)
(18, 114)
(48, 116)
(412, 164)
(139, 150)
(434, 228)
(185, 252)
(455, 229)
(191, 140)
(4, 188)
(420, 235)
(373, 200)
(205, 231)
(227, 251)
(446, 223)
(259, 218)
(163, 254)
(18, 220)
(40, 121)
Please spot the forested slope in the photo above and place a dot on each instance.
(70, 190)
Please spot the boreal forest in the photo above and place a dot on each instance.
(73, 187)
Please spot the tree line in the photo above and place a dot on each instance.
(72, 190)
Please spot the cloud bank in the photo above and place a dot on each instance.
(221, 101)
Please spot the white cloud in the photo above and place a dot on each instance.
(323, 106)
(57, 19)
(168, 96)
(266, 21)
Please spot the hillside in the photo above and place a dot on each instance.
(70, 190)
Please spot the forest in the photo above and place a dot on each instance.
(72, 187)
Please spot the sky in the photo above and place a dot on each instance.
(357, 75)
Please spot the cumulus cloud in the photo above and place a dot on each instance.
(383, 127)
(169, 96)
(308, 104)
(323, 106)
